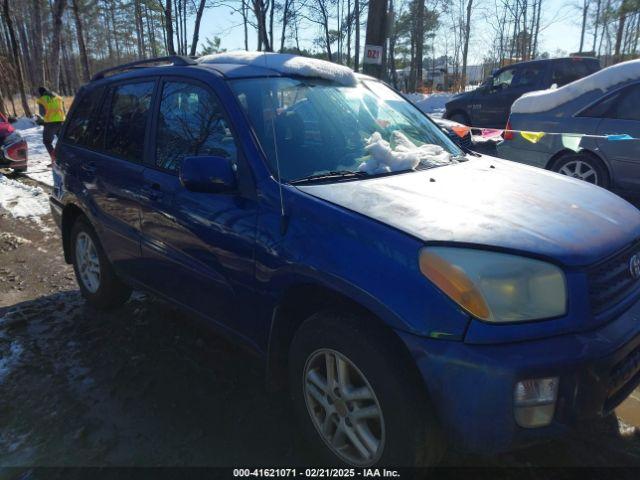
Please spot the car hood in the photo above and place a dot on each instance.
(495, 203)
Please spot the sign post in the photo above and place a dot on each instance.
(376, 38)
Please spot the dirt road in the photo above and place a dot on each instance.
(146, 385)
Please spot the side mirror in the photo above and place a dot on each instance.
(208, 174)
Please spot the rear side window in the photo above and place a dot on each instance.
(622, 105)
(82, 122)
(628, 107)
(127, 122)
(570, 70)
(190, 123)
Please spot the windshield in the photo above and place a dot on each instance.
(321, 128)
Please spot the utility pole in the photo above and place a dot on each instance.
(376, 38)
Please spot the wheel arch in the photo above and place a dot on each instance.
(461, 111)
(565, 151)
(296, 305)
(70, 214)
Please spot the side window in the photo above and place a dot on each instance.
(628, 106)
(191, 122)
(568, 71)
(127, 120)
(503, 79)
(623, 104)
(527, 76)
(83, 119)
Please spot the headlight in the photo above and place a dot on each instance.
(496, 287)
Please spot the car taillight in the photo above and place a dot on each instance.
(507, 134)
(16, 151)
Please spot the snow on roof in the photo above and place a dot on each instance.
(544, 100)
(287, 64)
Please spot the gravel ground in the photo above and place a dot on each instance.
(146, 385)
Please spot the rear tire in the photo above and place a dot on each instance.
(96, 278)
(380, 400)
(583, 166)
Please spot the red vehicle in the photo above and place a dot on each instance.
(13, 148)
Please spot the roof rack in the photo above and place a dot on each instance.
(176, 60)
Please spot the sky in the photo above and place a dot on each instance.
(560, 22)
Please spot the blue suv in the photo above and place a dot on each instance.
(409, 295)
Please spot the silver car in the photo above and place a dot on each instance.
(603, 159)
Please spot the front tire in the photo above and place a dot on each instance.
(96, 278)
(357, 400)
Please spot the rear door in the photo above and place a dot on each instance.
(113, 169)
(622, 116)
(197, 247)
(569, 70)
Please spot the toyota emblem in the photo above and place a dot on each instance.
(634, 266)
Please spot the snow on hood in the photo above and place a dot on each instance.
(404, 155)
(497, 203)
(544, 100)
(287, 64)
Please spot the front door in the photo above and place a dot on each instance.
(197, 247)
(492, 105)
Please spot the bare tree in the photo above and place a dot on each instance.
(6, 13)
(84, 59)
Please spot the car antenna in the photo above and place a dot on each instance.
(284, 219)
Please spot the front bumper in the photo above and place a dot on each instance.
(472, 385)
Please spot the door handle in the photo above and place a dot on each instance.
(153, 191)
(88, 167)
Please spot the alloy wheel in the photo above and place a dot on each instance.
(343, 407)
(88, 262)
(581, 170)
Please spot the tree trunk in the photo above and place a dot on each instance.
(57, 11)
(622, 14)
(168, 25)
(419, 43)
(196, 28)
(38, 57)
(356, 16)
(244, 24)
(16, 57)
(585, 9)
(84, 59)
(465, 46)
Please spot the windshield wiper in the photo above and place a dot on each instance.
(333, 175)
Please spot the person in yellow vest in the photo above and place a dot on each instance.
(52, 111)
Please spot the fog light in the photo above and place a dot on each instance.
(535, 401)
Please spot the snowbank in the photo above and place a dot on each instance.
(431, 104)
(544, 100)
(287, 64)
(23, 201)
(405, 155)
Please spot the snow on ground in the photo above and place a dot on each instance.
(431, 104)
(38, 156)
(544, 100)
(286, 63)
(23, 201)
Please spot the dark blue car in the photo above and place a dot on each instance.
(410, 296)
